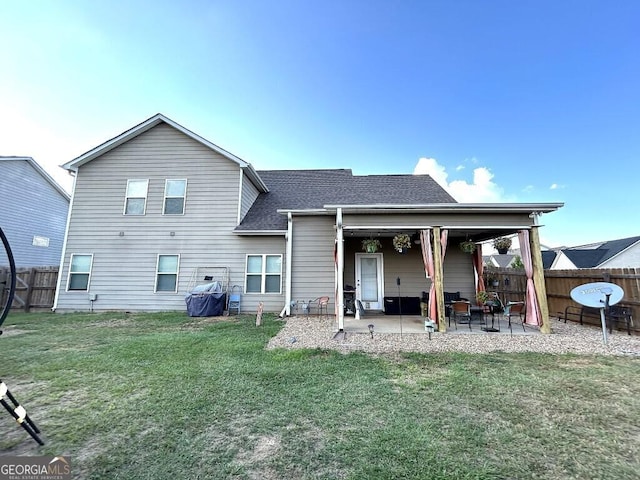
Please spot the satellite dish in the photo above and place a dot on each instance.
(595, 294)
(598, 295)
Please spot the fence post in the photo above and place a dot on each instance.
(30, 282)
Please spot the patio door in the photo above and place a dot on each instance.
(369, 280)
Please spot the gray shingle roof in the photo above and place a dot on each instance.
(312, 189)
(592, 257)
(548, 256)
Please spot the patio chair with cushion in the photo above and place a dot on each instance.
(460, 310)
(514, 310)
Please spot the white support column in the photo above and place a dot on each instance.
(289, 250)
(340, 270)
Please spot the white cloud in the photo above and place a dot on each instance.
(460, 167)
(482, 190)
(430, 166)
(555, 186)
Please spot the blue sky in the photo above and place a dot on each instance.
(535, 101)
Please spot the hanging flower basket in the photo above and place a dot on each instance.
(371, 245)
(401, 243)
(468, 246)
(502, 244)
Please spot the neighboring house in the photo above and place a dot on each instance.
(548, 257)
(499, 260)
(33, 214)
(621, 253)
(157, 202)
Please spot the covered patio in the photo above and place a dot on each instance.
(435, 266)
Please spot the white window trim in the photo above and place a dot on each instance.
(69, 273)
(126, 197)
(263, 274)
(177, 274)
(164, 199)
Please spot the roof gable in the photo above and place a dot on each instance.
(593, 255)
(149, 124)
(42, 172)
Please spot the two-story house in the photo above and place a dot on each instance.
(158, 202)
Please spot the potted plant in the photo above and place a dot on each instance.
(468, 246)
(502, 244)
(371, 245)
(401, 242)
(482, 297)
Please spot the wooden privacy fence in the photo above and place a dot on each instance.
(35, 287)
(559, 283)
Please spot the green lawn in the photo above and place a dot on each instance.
(165, 396)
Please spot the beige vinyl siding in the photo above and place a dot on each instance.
(426, 220)
(313, 264)
(458, 270)
(458, 273)
(124, 265)
(249, 195)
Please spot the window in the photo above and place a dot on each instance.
(167, 273)
(174, 196)
(264, 273)
(136, 199)
(79, 272)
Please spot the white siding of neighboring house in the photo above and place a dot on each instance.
(562, 262)
(31, 206)
(124, 266)
(629, 258)
(249, 195)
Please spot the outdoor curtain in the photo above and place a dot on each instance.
(477, 265)
(427, 258)
(533, 316)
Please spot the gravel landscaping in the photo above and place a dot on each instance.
(301, 332)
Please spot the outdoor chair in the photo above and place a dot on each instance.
(321, 304)
(514, 309)
(618, 314)
(460, 310)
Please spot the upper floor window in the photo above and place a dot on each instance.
(264, 274)
(136, 199)
(79, 272)
(175, 192)
(167, 273)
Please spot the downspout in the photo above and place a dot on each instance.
(289, 251)
(340, 270)
(64, 242)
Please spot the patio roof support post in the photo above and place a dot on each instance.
(438, 278)
(538, 279)
(289, 251)
(339, 270)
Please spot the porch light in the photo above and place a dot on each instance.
(370, 329)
